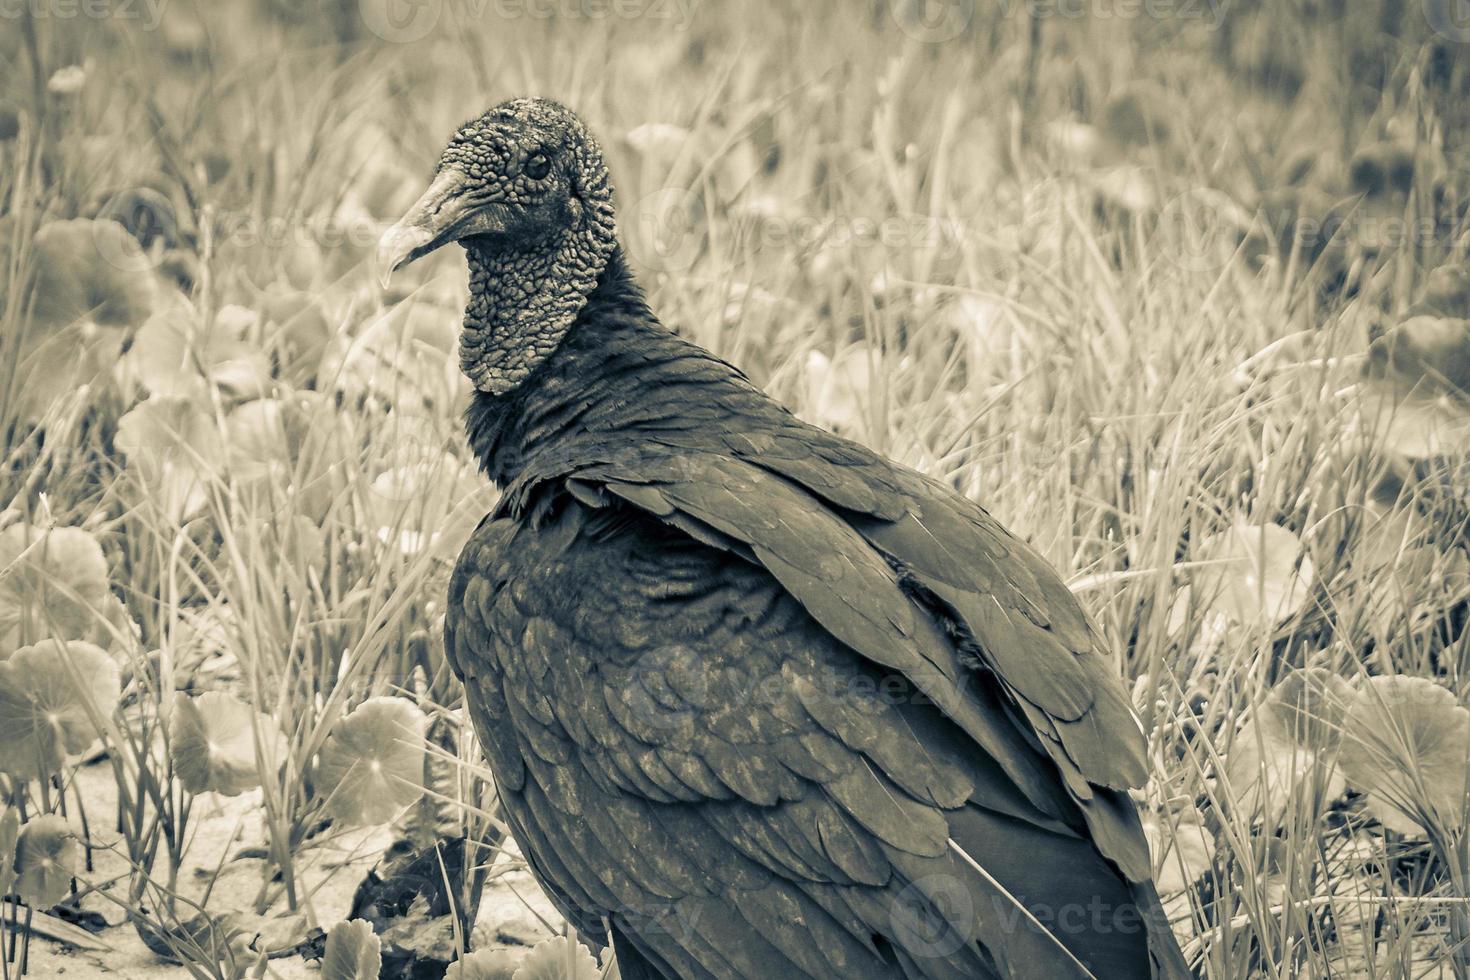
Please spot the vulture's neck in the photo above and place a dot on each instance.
(524, 299)
(611, 376)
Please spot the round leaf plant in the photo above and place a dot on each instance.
(214, 743)
(52, 696)
(54, 583)
(1253, 573)
(46, 855)
(353, 952)
(1406, 744)
(372, 764)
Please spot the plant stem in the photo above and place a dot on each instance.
(25, 943)
(86, 832)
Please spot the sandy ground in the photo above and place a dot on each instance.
(512, 911)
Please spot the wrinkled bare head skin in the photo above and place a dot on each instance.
(524, 189)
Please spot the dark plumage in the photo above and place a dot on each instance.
(759, 703)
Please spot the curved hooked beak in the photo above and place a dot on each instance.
(445, 213)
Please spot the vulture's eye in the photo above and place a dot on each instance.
(538, 165)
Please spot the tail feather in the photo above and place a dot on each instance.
(1026, 921)
(1163, 947)
(1037, 890)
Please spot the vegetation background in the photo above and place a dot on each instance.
(1177, 288)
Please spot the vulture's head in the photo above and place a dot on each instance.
(523, 176)
(524, 189)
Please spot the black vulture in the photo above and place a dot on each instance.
(759, 702)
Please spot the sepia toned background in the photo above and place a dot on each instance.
(1176, 288)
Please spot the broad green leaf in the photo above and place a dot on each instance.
(46, 856)
(297, 329)
(89, 285)
(353, 952)
(1420, 425)
(174, 448)
(558, 958)
(214, 743)
(255, 433)
(1307, 708)
(205, 935)
(416, 506)
(53, 583)
(1266, 774)
(89, 270)
(1428, 355)
(372, 764)
(1253, 573)
(487, 964)
(50, 693)
(407, 356)
(1407, 746)
(175, 355)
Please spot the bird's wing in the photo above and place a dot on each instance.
(1018, 617)
(690, 750)
(918, 579)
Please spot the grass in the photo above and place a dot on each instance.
(968, 252)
